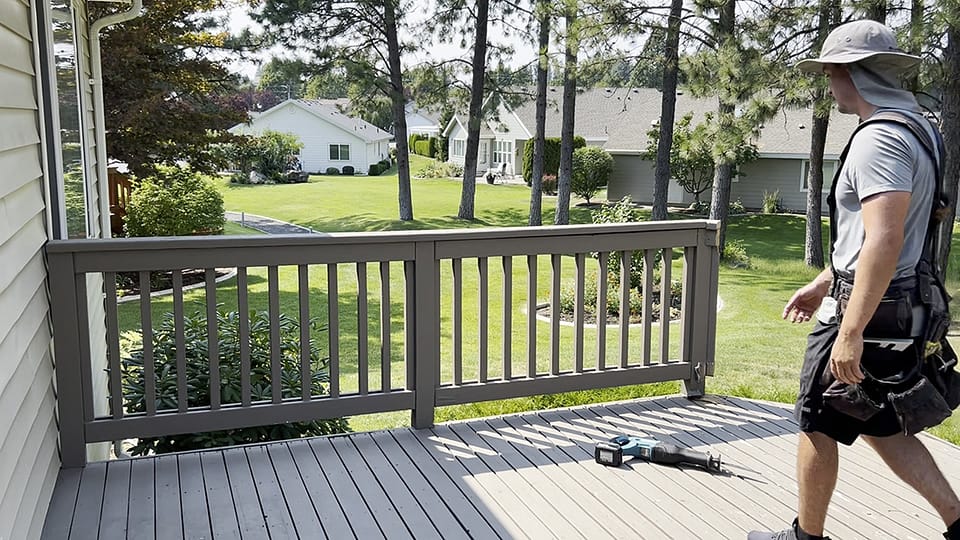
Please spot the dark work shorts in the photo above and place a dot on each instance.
(815, 377)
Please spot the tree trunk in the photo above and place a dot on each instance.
(813, 241)
(668, 111)
(912, 82)
(539, 140)
(951, 136)
(562, 215)
(399, 115)
(479, 67)
(876, 10)
(720, 202)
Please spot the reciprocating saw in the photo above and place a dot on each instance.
(611, 453)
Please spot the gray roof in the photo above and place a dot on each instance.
(622, 116)
(357, 126)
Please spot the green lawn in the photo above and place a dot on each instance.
(758, 354)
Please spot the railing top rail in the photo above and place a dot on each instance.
(386, 237)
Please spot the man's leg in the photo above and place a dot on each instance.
(911, 461)
(817, 465)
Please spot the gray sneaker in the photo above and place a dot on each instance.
(793, 533)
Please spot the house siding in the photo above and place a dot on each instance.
(28, 459)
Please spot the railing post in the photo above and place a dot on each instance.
(426, 320)
(67, 344)
(703, 262)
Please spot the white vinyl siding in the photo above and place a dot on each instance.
(28, 435)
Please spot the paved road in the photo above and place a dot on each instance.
(265, 224)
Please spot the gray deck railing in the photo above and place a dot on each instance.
(435, 269)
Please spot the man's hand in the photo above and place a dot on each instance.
(845, 358)
(805, 302)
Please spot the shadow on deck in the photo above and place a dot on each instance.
(521, 476)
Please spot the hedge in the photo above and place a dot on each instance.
(551, 156)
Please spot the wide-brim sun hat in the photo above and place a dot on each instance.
(860, 40)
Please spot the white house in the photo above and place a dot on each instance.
(330, 138)
(617, 119)
(421, 121)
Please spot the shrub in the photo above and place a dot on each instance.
(736, 207)
(772, 203)
(385, 165)
(422, 148)
(174, 201)
(441, 170)
(348, 170)
(374, 170)
(412, 142)
(735, 254)
(551, 156)
(434, 147)
(198, 377)
(332, 171)
(623, 212)
(549, 184)
(699, 207)
(592, 167)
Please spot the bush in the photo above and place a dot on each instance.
(412, 141)
(434, 147)
(385, 165)
(270, 154)
(623, 212)
(736, 207)
(332, 171)
(772, 203)
(374, 170)
(441, 170)
(551, 156)
(422, 148)
(735, 254)
(348, 170)
(592, 167)
(175, 201)
(198, 377)
(549, 184)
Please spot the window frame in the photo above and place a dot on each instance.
(829, 171)
(339, 147)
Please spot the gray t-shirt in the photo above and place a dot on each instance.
(884, 157)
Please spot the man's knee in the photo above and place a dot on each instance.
(818, 440)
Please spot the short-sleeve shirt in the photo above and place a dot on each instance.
(884, 157)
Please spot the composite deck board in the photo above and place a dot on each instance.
(169, 525)
(530, 475)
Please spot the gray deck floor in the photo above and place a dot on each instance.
(523, 476)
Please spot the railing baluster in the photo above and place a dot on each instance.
(306, 373)
(482, 266)
(647, 312)
(507, 316)
(457, 321)
(276, 372)
(578, 314)
(385, 384)
(183, 401)
(531, 316)
(625, 258)
(665, 301)
(555, 314)
(409, 326)
(602, 311)
(146, 325)
(333, 316)
(212, 343)
(362, 330)
(244, 335)
(687, 306)
(113, 344)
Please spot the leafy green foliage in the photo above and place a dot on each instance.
(772, 203)
(436, 169)
(735, 254)
(198, 378)
(592, 167)
(551, 156)
(623, 211)
(167, 91)
(174, 201)
(348, 170)
(332, 171)
(271, 153)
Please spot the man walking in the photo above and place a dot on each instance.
(881, 204)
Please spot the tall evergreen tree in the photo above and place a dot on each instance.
(571, 49)
(950, 125)
(543, 17)
(668, 110)
(478, 69)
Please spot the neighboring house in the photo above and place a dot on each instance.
(617, 119)
(330, 138)
(421, 121)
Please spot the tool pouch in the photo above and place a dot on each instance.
(939, 367)
(851, 400)
(920, 407)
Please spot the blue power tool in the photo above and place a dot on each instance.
(610, 453)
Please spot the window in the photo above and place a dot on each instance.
(503, 152)
(339, 152)
(459, 147)
(483, 152)
(829, 169)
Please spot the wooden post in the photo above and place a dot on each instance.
(426, 315)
